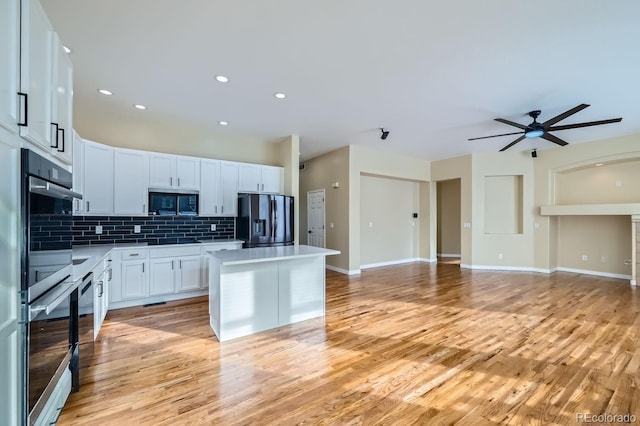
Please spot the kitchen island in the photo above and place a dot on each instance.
(257, 289)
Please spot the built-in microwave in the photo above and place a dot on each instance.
(173, 203)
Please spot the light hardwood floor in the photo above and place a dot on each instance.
(410, 344)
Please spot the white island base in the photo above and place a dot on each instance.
(256, 289)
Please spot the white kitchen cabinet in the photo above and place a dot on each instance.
(61, 103)
(98, 179)
(102, 274)
(188, 273)
(261, 179)
(135, 279)
(168, 171)
(78, 173)
(10, 60)
(218, 188)
(130, 182)
(204, 276)
(162, 276)
(36, 71)
(228, 189)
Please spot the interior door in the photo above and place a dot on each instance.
(315, 218)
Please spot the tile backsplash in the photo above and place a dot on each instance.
(153, 229)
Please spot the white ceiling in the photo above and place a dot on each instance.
(433, 73)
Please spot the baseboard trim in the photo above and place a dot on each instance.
(449, 255)
(548, 271)
(633, 282)
(389, 263)
(428, 260)
(342, 271)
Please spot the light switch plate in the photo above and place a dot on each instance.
(213, 226)
(136, 229)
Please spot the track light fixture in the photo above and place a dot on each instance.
(385, 133)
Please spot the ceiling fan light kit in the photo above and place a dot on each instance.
(541, 130)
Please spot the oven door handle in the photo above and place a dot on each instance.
(51, 300)
(40, 186)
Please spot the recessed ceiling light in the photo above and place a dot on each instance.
(599, 164)
(66, 49)
(222, 123)
(139, 106)
(280, 95)
(105, 92)
(222, 78)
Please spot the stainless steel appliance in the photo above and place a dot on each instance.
(49, 296)
(173, 203)
(265, 220)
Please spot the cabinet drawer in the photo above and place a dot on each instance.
(174, 251)
(132, 254)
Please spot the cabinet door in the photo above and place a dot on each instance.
(61, 103)
(249, 178)
(98, 179)
(135, 281)
(188, 173)
(129, 182)
(10, 60)
(228, 189)
(162, 170)
(272, 180)
(209, 187)
(78, 173)
(35, 79)
(162, 276)
(189, 273)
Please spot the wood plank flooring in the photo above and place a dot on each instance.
(409, 344)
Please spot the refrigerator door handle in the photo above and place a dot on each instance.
(275, 218)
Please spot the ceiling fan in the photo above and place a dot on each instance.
(541, 130)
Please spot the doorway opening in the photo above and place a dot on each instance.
(449, 221)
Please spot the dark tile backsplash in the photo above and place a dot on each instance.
(153, 229)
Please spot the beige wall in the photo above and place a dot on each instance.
(604, 240)
(172, 138)
(388, 231)
(320, 173)
(567, 174)
(503, 204)
(448, 214)
(289, 154)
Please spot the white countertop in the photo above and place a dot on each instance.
(267, 254)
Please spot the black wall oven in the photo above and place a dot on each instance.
(49, 295)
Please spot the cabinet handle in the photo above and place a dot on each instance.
(172, 265)
(143, 268)
(55, 135)
(101, 292)
(61, 130)
(110, 273)
(87, 206)
(77, 204)
(263, 187)
(216, 209)
(221, 209)
(144, 208)
(178, 181)
(170, 181)
(180, 263)
(25, 123)
(257, 187)
(134, 254)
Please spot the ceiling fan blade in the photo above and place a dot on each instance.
(554, 139)
(512, 143)
(495, 136)
(511, 123)
(586, 124)
(554, 120)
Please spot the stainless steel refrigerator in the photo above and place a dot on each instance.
(265, 220)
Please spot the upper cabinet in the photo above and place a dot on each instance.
(10, 60)
(174, 171)
(130, 182)
(218, 188)
(44, 100)
(258, 178)
(98, 179)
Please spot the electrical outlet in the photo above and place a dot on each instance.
(618, 183)
(603, 259)
(536, 226)
(584, 258)
(98, 229)
(370, 224)
(500, 256)
(213, 226)
(136, 229)
(331, 225)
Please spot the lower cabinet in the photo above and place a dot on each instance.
(157, 274)
(55, 403)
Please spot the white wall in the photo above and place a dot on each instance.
(388, 231)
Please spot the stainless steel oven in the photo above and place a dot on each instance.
(49, 295)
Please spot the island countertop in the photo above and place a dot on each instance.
(268, 254)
